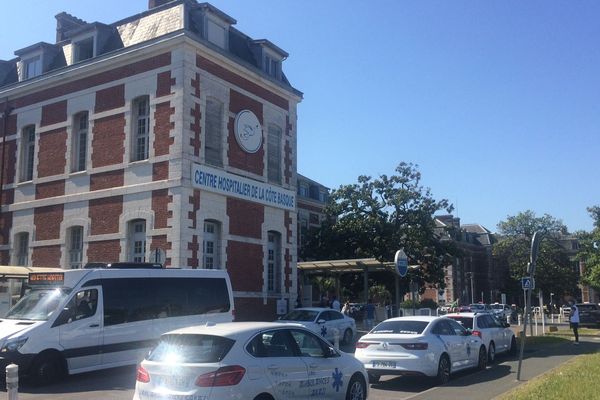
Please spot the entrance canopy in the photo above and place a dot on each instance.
(336, 268)
(340, 266)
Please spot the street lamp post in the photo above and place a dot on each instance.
(470, 276)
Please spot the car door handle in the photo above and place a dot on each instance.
(94, 325)
(273, 366)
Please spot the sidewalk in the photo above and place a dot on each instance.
(502, 377)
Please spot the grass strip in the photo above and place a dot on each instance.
(577, 379)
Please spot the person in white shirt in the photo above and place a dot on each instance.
(574, 320)
(335, 304)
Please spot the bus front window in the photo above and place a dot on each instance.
(37, 305)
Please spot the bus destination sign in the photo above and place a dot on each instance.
(46, 278)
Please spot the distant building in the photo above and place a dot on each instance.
(311, 201)
(472, 276)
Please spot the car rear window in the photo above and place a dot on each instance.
(191, 348)
(466, 322)
(401, 327)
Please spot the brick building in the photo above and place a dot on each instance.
(167, 135)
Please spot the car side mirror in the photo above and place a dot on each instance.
(506, 324)
(330, 352)
(467, 333)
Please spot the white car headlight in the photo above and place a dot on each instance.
(13, 344)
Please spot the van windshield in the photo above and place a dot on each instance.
(37, 305)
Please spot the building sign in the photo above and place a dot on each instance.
(248, 131)
(218, 181)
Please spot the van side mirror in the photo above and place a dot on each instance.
(64, 317)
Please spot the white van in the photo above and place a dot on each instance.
(89, 319)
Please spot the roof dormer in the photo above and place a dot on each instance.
(38, 59)
(89, 41)
(270, 57)
(215, 25)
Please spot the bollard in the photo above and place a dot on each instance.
(336, 338)
(12, 381)
(519, 319)
(508, 319)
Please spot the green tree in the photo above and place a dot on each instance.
(589, 250)
(554, 272)
(376, 217)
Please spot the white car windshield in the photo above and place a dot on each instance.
(301, 315)
(37, 305)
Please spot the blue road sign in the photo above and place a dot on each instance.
(527, 282)
(401, 261)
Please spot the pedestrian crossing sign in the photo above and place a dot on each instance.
(527, 282)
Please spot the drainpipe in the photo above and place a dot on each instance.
(7, 110)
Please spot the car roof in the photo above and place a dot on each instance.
(425, 318)
(318, 309)
(464, 314)
(231, 328)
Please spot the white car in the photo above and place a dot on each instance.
(248, 360)
(503, 311)
(497, 335)
(325, 322)
(420, 345)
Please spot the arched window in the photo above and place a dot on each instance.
(274, 154)
(27, 153)
(141, 128)
(75, 246)
(22, 248)
(79, 142)
(211, 245)
(274, 262)
(136, 240)
(213, 150)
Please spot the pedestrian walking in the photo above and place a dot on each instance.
(335, 304)
(574, 320)
(370, 314)
(346, 308)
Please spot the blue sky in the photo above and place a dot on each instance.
(498, 102)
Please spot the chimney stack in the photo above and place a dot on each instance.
(156, 3)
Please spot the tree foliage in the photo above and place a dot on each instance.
(376, 217)
(526, 224)
(589, 250)
(554, 272)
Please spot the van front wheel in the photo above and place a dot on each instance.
(47, 368)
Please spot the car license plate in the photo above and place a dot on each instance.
(384, 364)
(171, 381)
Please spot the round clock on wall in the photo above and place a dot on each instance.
(248, 131)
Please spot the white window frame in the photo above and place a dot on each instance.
(36, 62)
(75, 247)
(140, 138)
(211, 245)
(27, 153)
(217, 33)
(136, 239)
(22, 248)
(80, 141)
(274, 267)
(77, 48)
(274, 153)
(213, 128)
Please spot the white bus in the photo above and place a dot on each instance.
(88, 319)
